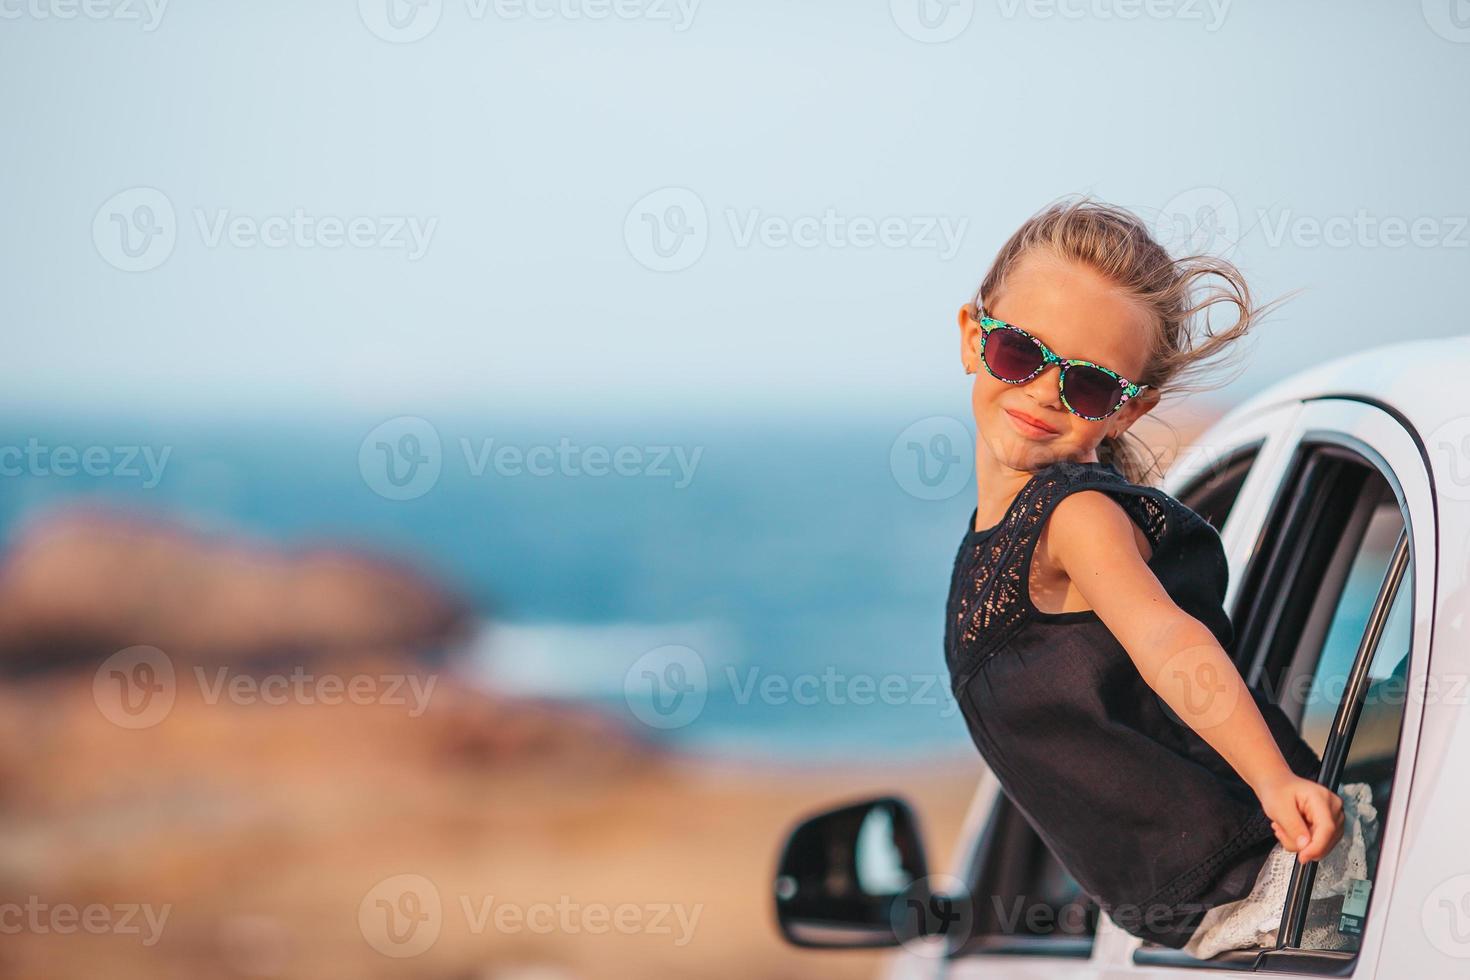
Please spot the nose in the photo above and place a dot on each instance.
(1046, 387)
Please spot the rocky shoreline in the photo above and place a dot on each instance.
(224, 759)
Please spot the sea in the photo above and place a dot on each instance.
(761, 590)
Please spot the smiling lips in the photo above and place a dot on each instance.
(1030, 426)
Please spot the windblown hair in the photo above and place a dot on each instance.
(1118, 245)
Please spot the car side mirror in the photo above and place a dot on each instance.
(856, 877)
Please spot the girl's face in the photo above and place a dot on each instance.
(1077, 313)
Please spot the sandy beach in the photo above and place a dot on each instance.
(554, 844)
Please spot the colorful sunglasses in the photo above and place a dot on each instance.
(1012, 355)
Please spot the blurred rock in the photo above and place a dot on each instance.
(79, 585)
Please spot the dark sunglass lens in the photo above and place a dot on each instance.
(1090, 391)
(1011, 355)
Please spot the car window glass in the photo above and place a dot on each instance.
(1371, 757)
(1349, 620)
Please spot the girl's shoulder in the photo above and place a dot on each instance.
(1156, 511)
(1150, 507)
(1163, 518)
(1160, 516)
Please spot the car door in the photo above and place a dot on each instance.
(1032, 919)
(1333, 608)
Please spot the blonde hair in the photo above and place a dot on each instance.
(1117, 244)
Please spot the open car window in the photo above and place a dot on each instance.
(1324, 629)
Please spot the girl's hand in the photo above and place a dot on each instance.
(1306, 816)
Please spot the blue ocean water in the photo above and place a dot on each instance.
(760, 590)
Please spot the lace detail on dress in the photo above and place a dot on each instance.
(991, 596)
(1253, 921)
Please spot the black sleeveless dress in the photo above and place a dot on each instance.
(1149, 819)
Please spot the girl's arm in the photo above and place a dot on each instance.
(1090, 537)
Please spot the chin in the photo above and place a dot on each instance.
(1020, 453)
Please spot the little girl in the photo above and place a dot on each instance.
(1082, 628)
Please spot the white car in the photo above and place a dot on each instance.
(1342, 495)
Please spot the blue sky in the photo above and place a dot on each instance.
(464, 220)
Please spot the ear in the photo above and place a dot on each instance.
(1133, 410)
(969, 338)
